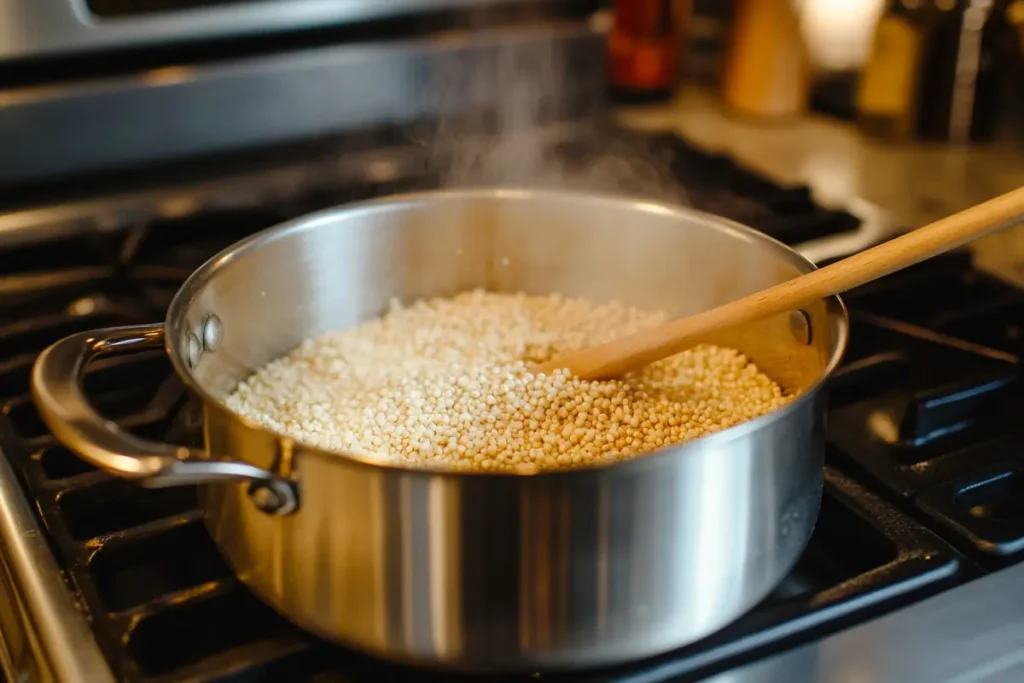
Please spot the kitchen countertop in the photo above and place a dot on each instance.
(910, 183)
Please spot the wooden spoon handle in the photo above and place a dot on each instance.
(647, 346)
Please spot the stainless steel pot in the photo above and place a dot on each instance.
(476, 571)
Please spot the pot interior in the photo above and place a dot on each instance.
(337, 268)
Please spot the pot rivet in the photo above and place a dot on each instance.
(193, 350)
(265, 498)
(800, 325)
(213, 332)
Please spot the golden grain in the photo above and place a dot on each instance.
(446, 383)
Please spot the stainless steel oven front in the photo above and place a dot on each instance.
(35, 28)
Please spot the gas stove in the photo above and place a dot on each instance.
(103, 581)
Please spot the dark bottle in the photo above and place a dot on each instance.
(644, 47)
(933, 72)
(960, 77)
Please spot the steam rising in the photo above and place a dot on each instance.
(536, 122)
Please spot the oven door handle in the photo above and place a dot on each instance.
(57, 389)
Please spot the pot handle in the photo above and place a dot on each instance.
(57, 391)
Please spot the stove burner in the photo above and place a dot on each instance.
(921, 426)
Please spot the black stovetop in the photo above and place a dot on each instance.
(924, 484)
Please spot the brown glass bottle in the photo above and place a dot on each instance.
(644, 47)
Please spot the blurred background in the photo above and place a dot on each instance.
(900, 111)
(98, 86)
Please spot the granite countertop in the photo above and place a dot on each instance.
(911, 183)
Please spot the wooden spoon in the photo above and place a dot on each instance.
(647, 346)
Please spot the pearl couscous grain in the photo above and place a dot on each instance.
(446, 383)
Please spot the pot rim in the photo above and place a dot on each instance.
(202, 275)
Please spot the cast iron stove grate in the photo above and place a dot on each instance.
(165, 607)
(711, 182)
(932, 410)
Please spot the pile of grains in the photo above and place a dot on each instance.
(445, 383)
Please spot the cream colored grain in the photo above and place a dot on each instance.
(445, 383)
